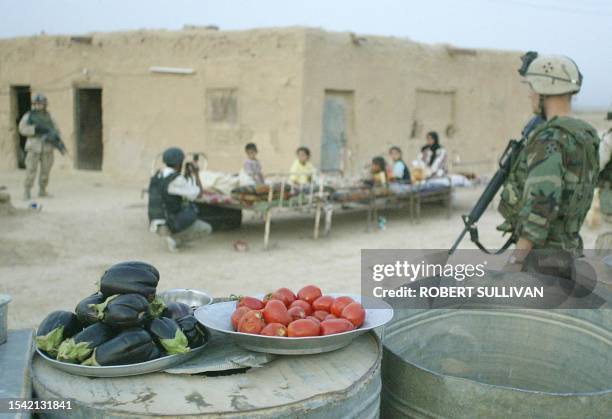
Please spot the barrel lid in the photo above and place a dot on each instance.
(287, 384)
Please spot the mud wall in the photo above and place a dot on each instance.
(402, 89)
(143, 112)
(267, 86)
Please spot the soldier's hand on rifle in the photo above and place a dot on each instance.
(40, 130)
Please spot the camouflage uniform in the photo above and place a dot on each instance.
(605, 177)
(38, 151)
(604, 240)
(551, 185)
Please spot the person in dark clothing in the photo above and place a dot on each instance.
(171, 211)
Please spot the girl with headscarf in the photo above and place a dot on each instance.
(434, 156)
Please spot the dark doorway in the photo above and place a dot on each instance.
(88, 113)
(21, 102)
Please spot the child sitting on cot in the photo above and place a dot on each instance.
(378, 171)
(302, 170)
(399, 172)
(252, 166)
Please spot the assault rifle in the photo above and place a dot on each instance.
(505, 165)
(48, 133)
(54, 139)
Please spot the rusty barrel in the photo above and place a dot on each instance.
(344, 383)
(498, 364)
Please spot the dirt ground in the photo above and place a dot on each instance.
(52, 259)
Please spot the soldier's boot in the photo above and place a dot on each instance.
(26, 195)
(42, 193)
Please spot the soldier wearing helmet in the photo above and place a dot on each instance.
(551, 184)
(172, 213)
(36, 125)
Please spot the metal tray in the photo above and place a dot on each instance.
(193, 298)
(123, 370)
(218, 317)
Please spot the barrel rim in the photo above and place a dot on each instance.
(497, 386)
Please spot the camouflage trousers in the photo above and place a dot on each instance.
(604, 240)
(32, 160)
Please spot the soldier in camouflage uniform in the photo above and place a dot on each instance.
(551, 185)
(604, 241)
(35, 124)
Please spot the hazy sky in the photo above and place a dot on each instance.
(580, 29)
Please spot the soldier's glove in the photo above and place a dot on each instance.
(38, 130)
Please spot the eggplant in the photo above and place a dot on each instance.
(86, 310)
(169, 335)
(122, 311)
(54, 329)
(157, 307)
(131, 346)
(193, 330)
(158, 352)
(79, 347)
(126, 279)
(140, 265)
(176, 310)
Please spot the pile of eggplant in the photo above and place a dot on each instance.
(125, 322)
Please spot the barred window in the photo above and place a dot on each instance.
(222, 106)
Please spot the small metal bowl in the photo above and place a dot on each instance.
(193, 298)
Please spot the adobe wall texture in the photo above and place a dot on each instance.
(395, 89)
(489, 103)
(145, 112)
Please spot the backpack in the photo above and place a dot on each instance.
(157, 187)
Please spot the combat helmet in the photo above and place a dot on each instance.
(551, 75)
(39, 98)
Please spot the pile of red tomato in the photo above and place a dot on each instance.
(309, 313)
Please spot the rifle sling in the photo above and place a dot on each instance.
(474, 238)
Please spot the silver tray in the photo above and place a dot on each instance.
(193, 298)
(218, 317)
(123, 370)
(188, 296)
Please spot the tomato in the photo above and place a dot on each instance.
(237, 315)
(354, 313)
(297, 313)
(323, 303)
(309, 293)
(320, 314)
(329, 317)
(285, 295)
(276, 312)
(302, 328)
(333, 326)
(274, 329)
(301, 303)
(314, 319)
(251, 322)
(339, 304)
(250, 302)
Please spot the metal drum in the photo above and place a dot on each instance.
(4, 301)
(494, 363)
(344, 383)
